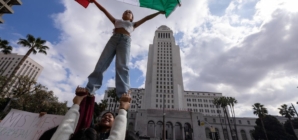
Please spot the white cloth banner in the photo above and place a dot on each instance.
(22, 125)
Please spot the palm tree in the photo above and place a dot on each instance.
(261, 112)
(231, 102)
(35, 45)
(223, 103)
(215, 102)
(288, 112)
(6, 49)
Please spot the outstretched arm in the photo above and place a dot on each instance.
(138, 23)
(70, 121)
(111, 18)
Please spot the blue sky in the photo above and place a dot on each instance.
(241, 48)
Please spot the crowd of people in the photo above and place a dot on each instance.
(110, 126)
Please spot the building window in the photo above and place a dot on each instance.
(239, 121)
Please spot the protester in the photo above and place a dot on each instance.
(69, 123)
(115, 129)
(119, 46)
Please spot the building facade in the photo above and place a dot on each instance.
(188, 115)
(29, 68)
(6, 7)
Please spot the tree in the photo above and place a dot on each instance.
(217, 107)
(288, 112)
(33, 97)
(35, 45)
(223, 103)
(102, 106)
(40, 101)
(4, 46)
(261, 112)
(274, 130)
(288, 126)
(112, 93)
(231, 102)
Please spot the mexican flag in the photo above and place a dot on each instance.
(168, 6)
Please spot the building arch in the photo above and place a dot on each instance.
(158, 129)
(207, 131)
(151, 129)
(187, 131)
(178, 131)
(243, 135)
(169, 131)
(218, 133)
(226, 134)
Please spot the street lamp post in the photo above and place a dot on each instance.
(163, 119)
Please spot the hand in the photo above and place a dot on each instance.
(81, 91)
(42, 113)
(162, 12)
(78, 99)
(125, 101)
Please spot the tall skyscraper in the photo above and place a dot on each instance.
(6, 7)
(164, 74)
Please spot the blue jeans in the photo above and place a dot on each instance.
(119, 45)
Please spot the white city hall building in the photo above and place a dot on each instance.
(183, 110)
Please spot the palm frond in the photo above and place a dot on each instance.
(42, 51)
(31, 38)
(24, 43)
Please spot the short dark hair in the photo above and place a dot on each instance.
(107, 113)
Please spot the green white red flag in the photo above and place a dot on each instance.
(168, 6)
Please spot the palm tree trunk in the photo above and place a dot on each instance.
(264, 128)
(226, 123)
(220, 122)
(9, 79)
(225, 110)
(235, 126)
(292, 127)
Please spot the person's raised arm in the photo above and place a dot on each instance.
(138, 23)
(119, 127)
(70, 120)
(110, 17)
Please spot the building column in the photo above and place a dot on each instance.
(154, 131)
(174, 135)
(183, 133)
